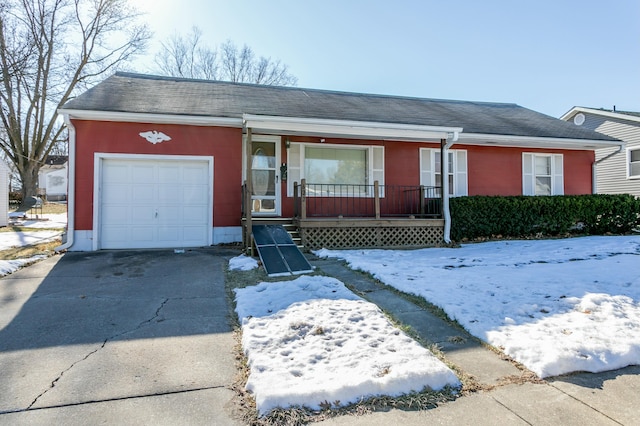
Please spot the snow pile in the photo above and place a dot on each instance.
(10, 266)
(311, 341)
(242, 263)
(556, 306)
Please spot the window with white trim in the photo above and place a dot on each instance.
(431, 172)
(332, 166)
(542, 174)
(633, 168)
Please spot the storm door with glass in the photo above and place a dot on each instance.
(265, 176)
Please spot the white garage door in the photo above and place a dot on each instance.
(151, 203)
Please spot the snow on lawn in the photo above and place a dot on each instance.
(10, 266)
(242, 263)
(25, 238)
(57, 220)
(312, 340)
(556, 306)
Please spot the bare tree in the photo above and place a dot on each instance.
(186, 56)
(48, 50)
(183, 56)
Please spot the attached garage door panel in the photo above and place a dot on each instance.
(154, 203)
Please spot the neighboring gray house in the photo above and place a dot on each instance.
(617, 169)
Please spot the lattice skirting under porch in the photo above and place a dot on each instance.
(360, 235)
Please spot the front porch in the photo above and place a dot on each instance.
(341, 216)
(352, 233)
(391, 194)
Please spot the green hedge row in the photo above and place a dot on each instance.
(518, 217)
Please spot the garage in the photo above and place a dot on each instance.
(149, 201)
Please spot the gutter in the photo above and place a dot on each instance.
(71, 185)
(594, 170)
(137, 117)
(451, 139)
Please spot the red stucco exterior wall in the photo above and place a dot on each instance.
(224, 144)
(498, 171)
(491, 170)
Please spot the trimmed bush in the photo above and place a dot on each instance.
(521, 217)
(15, 198)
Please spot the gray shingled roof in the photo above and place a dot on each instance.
(615, 111)
(135, 93)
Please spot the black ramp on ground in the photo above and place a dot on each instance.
(262, 235)
(278, 252)
(295, 259)
(280, 235)
(273, 261)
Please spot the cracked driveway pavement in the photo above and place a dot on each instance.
(117, 337)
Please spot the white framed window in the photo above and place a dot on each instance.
(332, 165)
(431, 172)
(633, 163)
(542, 174)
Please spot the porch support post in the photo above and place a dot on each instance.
(303, 198)
(248, 199)
(376, 197)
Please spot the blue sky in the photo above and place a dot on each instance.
(544, 55)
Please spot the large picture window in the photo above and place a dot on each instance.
(336, 165)
(542, 174)
(335, 169)
(634, 163)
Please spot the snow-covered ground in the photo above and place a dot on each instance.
(23, 238)
(311, 341)
(556, 306)
(10, 266)
(58, 220)
(243, 263)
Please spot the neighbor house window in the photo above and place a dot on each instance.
(634, 163)
(542, 174)
(335, 169)
(431, 172)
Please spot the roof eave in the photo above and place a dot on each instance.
(193, 120)
(620, 116)
(347, 128)
(535, 142)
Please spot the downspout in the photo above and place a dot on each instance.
(594, 171)
(71, 185)
(249, 191)
(444, 162)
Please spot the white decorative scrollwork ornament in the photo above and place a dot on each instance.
(155, 136)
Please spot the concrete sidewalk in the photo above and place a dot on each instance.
(508, 395)
(117, 338)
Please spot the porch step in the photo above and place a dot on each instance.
(286, 222)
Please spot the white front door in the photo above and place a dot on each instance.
(265, 176)
(160, 202)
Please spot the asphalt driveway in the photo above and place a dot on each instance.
(117, 337)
